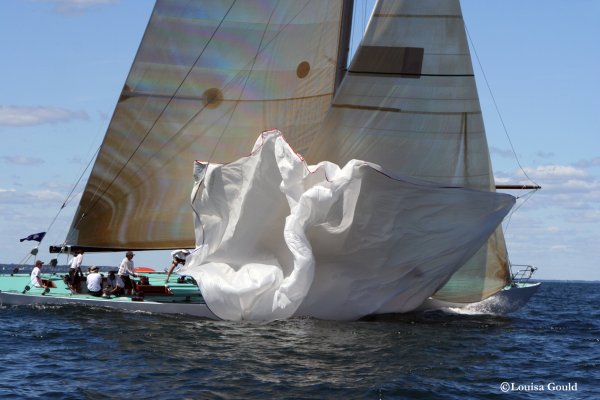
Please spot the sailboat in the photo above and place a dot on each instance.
(374, 195)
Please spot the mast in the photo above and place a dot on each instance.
(344, 45)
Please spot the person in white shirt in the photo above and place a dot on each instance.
(36, 279)
(114, 284)
(77, 260)
(75, 274)
(94, 282)
(126, 269)
(179, 257)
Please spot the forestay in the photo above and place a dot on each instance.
(276, 238)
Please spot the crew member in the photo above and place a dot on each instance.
(178, 258)
(75, 274)
(114, 284)
(126, 269)
(36, 279)
(94, 282)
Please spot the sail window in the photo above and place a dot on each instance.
(303, 69)
(403, 61)
(212, 98)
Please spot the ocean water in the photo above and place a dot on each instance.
(549, 349)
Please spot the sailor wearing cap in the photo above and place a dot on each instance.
(114, 283)
(36, 279)
(94, 282)
(126, 269)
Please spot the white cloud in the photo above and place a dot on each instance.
(569, 194)
(543, 154)
(22, 160)
(560, 248)
(12, 196)
(76, 6)
(45, 195)
(554, 172)
(504, 153)
(585, 216)
(28, 116)
(594, 162)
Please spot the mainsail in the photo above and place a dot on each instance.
(409, 103)
(208, 77)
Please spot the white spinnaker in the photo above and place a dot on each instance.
(279, 240)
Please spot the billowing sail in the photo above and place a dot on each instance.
(409, 103)
(209, 76)
(276, 238)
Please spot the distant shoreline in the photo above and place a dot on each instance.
(6, 269)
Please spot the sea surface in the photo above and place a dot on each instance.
(549, 349)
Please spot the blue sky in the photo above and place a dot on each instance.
(64, 63)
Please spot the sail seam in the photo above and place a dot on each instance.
(408, 98)
(390, 15)
(247, 77)
(393, 74)
(359, 107)
(366, 129)
(192, 98)
(98, 198)
(391, 109)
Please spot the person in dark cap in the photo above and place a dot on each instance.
(125, 270)
(94, 282)
(114, 284)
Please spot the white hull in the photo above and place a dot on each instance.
(123, 303)
(506, 301)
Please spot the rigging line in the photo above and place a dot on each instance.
(238, 76)
(159, 115)
(65, 202)
(258, 51)
(253, 62)
(496, 105)
(525, 198)
(94, 156)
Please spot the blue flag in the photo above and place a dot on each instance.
(36, 236)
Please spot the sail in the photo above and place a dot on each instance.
(277, 238)
(484, 274)
(208, 77)
(409, 103)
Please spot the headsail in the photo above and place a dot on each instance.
(207, 78)
(276, 238)
(409, 103)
